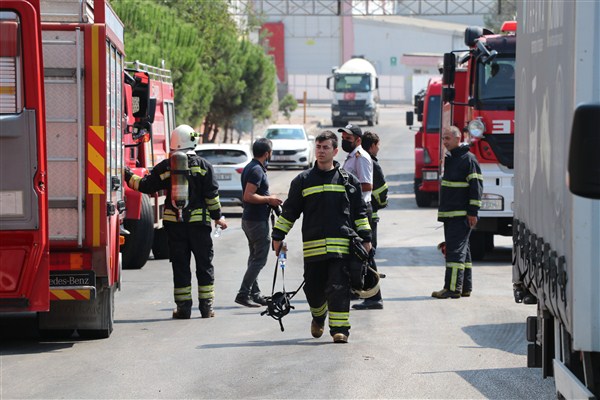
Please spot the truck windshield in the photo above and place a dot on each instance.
(433, 114)
(352, 83)
(496, 81)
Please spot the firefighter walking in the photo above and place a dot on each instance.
(333, 211)
(460, 200)
(191, 204)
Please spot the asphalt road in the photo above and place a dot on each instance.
(416, 347)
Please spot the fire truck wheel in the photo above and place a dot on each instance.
(138, 244)
(477, 242)
(160, 246)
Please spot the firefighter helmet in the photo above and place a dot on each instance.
(183, 137)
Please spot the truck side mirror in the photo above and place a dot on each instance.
(376, 83)
(410, 118)
(141, 94)
(449, 69)
(448, 95)
(329, 82)
(584, 164)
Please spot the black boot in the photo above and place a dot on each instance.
(206, 308)
(183, 310)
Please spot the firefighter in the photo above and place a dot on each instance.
(370, 143)
(333, 211)
(191, 204)
(460, 200)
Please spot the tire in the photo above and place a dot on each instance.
(138, 244)
(160, 245)
(335, 123)
(370, 122)
(55, 334)
(106, 305)
(477, 244)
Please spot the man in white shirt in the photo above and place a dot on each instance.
(359, 164)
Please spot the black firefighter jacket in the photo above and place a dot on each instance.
(380, 188)
(462, 185)
(333, 213)
(203, 190)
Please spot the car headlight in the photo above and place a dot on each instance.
(476, 128)
(492, 202)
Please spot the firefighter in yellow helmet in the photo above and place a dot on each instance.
(191, 205)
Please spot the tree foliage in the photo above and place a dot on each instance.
(287, 105)
(217, 74)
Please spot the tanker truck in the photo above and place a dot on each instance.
(556, 228)
(355, 92)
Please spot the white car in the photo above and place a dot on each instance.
(292, 147)
(228, 161)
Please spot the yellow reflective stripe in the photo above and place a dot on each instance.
(475, 203)
(474, 176)
(199, 215)
(443, 214)
(323, 246)
(206, 292)
(323, 188)
(454, 184)
(455, 265)
(339, 319)
(375, 215)
(283, 224)
(183, 293)
(468, 265)
(454, 277)
(319, 312)
(198, 170)
(165, 175)
(380, 189)
(169, 215)
(213, 204)
(134, 182)
(362, 224)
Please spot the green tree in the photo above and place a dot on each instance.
(287, 105)
(506, 11)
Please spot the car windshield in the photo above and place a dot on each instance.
(285, 133)
(223, 156)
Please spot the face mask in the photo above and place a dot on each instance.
(348, 146)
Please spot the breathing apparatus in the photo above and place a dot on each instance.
(279, 303)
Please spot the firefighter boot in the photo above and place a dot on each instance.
(316, 328)
(183, 310)
(446, 294)
(340, 338)
(206, 308)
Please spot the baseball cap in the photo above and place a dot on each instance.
(352, 130)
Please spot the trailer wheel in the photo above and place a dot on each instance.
(138, 244)
(160, 246)
(106, 306)
(477, 243)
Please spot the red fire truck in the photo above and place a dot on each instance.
(427, 142)
(61, 140)
(143, 150)
(480, 95)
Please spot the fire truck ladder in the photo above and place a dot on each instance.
(63, 82)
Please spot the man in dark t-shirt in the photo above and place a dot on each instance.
(255, 221)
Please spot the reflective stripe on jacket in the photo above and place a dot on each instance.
(462, 185)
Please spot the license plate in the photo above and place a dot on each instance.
(223, 177)
(282, 158)
(72, 278)
(352, 113)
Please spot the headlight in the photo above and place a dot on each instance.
(335, 113)
(492, 202)
(476, 128)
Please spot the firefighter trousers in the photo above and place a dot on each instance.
(327, 289)
(373, 224)
(458, 275)
(186, 239)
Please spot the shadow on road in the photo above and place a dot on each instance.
(266, 343)
(509, 337)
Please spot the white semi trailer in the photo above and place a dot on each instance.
(556, 241)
